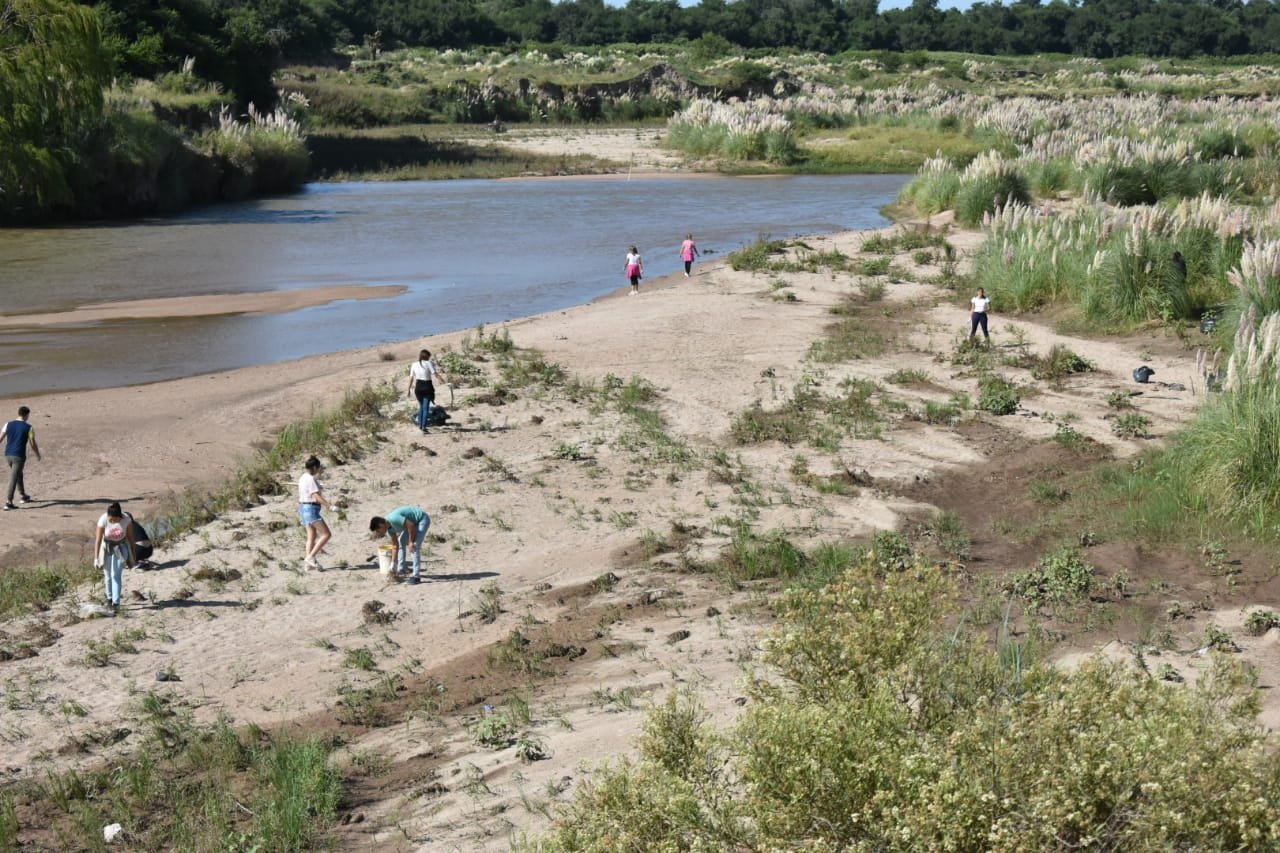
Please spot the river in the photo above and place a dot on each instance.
(467, 252)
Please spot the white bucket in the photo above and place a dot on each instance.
(385, 564)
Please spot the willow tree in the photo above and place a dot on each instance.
(52, 71)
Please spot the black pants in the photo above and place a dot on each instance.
(976, 319)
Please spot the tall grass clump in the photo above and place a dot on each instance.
(988, 184)
(886, 727)
(738, 131)
(934, 187)
(39, 585)
(265, 154)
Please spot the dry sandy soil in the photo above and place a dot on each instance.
(582, 532)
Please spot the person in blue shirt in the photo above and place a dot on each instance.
(407, 526)
(16, 435)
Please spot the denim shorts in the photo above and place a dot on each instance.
(309, 513)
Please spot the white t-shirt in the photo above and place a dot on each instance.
(633, 259)
(114, 531)
(307, 488)
(981, 304)
(423, 371)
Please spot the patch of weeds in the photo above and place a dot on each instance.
(907, 376)
(1070, 438)
(1048, 492)
(891, 551)
(997, 395)
(493, 731)
(1062, 577)
(359, 658)
(516, 651)
(1120, 400)
(874, 266)
(756, 256)
(947, 533)
(624, 520)
(488, 603)
(1259, 622)
(1131, 425)
(530, 748)
(941, 413)
(1168, 672)
(1059, 363)
(872, 290)
(569, 452)
(1215, 638)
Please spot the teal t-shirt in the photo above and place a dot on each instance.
(398, 516)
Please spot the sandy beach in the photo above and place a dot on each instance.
(555, 506)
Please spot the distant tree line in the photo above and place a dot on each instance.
(238, 42)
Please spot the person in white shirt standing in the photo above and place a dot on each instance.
(422, 374)
(981, 305)
(310, 499)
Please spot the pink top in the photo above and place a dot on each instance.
(688, 250)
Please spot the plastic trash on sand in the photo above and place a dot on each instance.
(111, 832)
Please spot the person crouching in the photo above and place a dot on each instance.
(407, 526)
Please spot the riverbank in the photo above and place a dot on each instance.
(594, 527)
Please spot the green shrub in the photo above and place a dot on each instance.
(987, 192)
(1060, 362)
(997, 395)
(1062, 577)
(885, 726)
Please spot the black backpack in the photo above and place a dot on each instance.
(142, 547)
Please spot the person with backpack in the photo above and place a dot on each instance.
(407, 526)
(113, 548)
(422, 374)
(16, 436)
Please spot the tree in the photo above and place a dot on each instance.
(52, 70)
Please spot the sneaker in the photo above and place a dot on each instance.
(310, 563)
(26, 499)
(413, 580)
(8, 505)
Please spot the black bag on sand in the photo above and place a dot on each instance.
(438, 416)
(142, 548)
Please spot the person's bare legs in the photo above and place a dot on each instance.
(318, 536)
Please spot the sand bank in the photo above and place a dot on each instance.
(205, 305)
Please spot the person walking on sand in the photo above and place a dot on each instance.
(17, 435)
(310, 499)
(422, 374)
(407, 526)
(114, 549)
(688, 251)
(980, 305)
(635, 269)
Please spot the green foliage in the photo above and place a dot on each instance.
(1062, 577)
(937, 740)
(997, 395)
(755, 256)
(986, 192)
(52, 71)
(1131, 425)
(1059, 363)
(38, 586)
(1259, 622)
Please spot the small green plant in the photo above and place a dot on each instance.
(1120, 400)
(569, 452)
(1217, 639)
(359, 658)
(1131, 425)
(947, 532)
(1059, 363)
(872, 290)
(1259, 622)
(493, 730)
(997, 395)
(488, 603)
(907, 376)
(530, 748)
(1062, 577)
